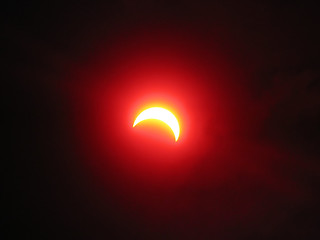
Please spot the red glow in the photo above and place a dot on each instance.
(140, 72)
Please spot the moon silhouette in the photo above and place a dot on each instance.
(163, 115)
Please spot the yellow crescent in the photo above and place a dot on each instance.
(163, 115)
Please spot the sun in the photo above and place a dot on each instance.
(163, 115)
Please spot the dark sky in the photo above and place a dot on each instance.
(257, 176)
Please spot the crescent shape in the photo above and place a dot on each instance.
(163, 115)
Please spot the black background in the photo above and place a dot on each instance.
(51, 195)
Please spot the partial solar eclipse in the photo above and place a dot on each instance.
(161, 114)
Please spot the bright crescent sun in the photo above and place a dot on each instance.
(163, 115)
